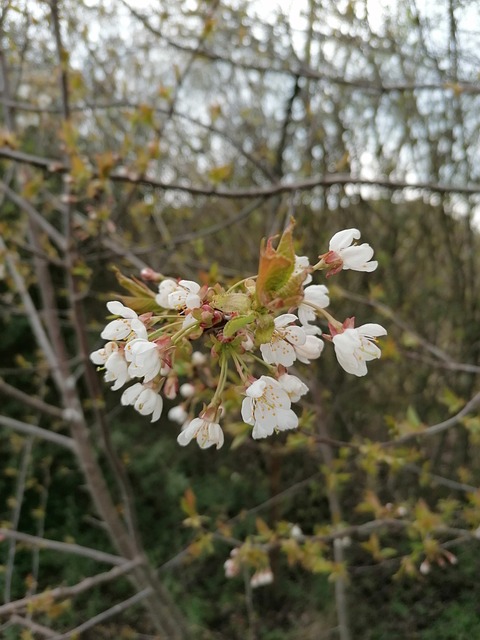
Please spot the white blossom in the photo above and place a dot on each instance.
(295, 532)
(352, 256)
(112, 358)
(261, 578)
(316, 295)
(165, 288)
(144, 399)
(178, 414)
(185, 296)
(302, 263)
(310, 350)
(354, 347)
(206, 432)
(267, 407)
(294, 387)
(122, 327)
(146, 359)
(285, 338)
(231, 565)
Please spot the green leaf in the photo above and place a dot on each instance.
(275, 267)
(237, 323)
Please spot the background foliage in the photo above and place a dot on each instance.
(176, 136)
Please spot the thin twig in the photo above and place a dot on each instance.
(38, 432)
(62, 547)
(54, 235)
(19, 494)
(31, 401)
(105, 615)
(302, 184)
(68, 592)
(33, 626)
(435, 429)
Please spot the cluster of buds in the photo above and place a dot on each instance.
(267, 320)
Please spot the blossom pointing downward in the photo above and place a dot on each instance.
(144, 399)
(204, 430)
(355, 347)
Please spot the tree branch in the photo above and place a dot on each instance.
(302, 184)
(63, 547)
(67, 592)
(105, 615)
(32, 626)
(435, 429)
(32, 401)
(38, 432)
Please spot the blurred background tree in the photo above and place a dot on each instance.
(176, 135)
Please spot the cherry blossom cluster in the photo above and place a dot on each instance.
(223, 336)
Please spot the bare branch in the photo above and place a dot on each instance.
(68, 592)
(62, 59)
(435, 429)
(304, 184)
(33, 626)
(303, 70)
(19, 495)
(63, 547)
(32, 401)
(105, 615)
(51, 232)
(38, 432)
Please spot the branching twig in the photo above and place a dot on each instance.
(46, 632)
(439, 427)
(105, 615)
(68, 592)
(302, 184)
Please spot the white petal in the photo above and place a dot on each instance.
(262, 430)
(118, 309)
(284, 319)
(116, 330)
(256, 389)
(317, 294)
(99, 357)
(247, 411)
(192, 301)
(186, 435)
(343, 239)
(372, 330)
(130, 395)
(146, 401)
(157, 412)
(286, 419)
(190, 285)
(311, 350)
(295, 335)
(293, 386)
(267, 353)
(306, 314)
(283, 353)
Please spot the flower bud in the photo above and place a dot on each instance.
(149, 275)
(187, 390)
(170, 389)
